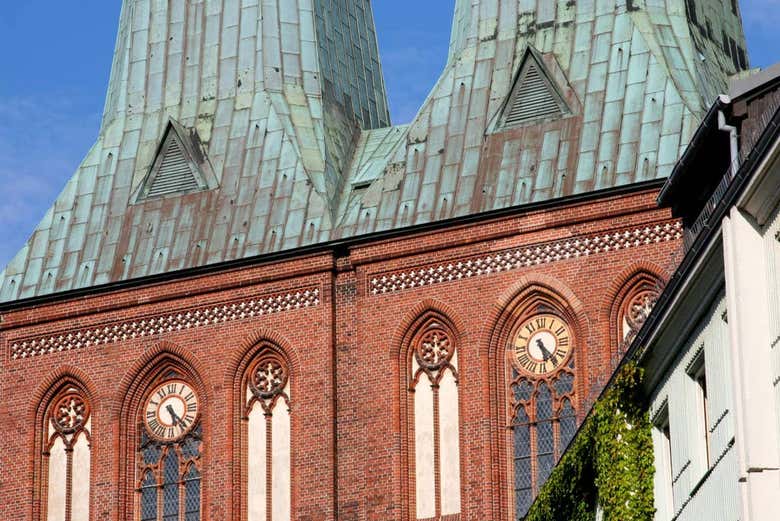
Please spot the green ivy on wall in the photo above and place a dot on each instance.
(609, 463)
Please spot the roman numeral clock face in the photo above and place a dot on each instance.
(542, 344)
(170, 410)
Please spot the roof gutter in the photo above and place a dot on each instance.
(709, 123)
(736, 187)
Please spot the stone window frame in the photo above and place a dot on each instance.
(414, 331)
(49, 429)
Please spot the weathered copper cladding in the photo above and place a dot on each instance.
(287, 100)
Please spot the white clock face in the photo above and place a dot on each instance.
(171, 410)
(542, 344)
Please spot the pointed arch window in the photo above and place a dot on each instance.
(542, 418)
(168, 457)
(67, 456)
(635, 303)
(435, 437)
(267, 402)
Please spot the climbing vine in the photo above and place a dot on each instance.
(609, 463)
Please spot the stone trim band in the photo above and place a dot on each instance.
(158, 324)
(524, 256)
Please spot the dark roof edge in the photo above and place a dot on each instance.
(337, 245)
(730, 198)
(710, 122)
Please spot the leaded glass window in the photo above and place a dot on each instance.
(545, 443)
(522, 460)
(192, 495)
(542, 426)
(169, 482)
(149, 498)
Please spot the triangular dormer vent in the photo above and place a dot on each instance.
(179, 168)
(533, 97)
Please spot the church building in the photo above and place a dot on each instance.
(258, 300)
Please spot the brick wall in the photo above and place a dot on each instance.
(343, 338)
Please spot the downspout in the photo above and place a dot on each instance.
(733, 138)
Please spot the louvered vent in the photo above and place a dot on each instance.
(174, 174)
(533, 99)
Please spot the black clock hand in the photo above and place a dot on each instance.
(174, 417)
(545, 353)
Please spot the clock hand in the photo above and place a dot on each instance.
(545, 353)
(175, 418)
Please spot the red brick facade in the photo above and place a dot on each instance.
(342, 319)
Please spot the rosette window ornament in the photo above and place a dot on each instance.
(268, 377)
(70, 413)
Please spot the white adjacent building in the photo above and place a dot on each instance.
(711, 345)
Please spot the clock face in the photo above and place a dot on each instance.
(170, 410)
(542, 344)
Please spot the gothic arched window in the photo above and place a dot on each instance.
(169, 453)
(433, 389)
(542, 418)
(67, 456)
(266, 403)
(633, 305)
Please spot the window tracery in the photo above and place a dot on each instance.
(267, 401)
(637, 303)
(433, 389)
(169, 452)
(67, 456)
(541, 396)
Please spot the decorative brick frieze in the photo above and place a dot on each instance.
(525, 256)
(165, 323)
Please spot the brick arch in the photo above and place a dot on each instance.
(235, 375)
(252, 344)
(636, 276)
(49, 388)
(518, 300)
(419, 314)
(163, 356)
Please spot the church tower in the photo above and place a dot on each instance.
(257, 300)
(284, 109)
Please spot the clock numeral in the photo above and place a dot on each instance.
(563, 341)
(161, 393)
(530, 327)
(527, 363)
(156, 428)
(561, 330)
(188, 418)
(171, 388)
(190, 397)
(151, 414)
(541, 322)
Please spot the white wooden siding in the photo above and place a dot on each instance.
(772, 247)
(679, 392)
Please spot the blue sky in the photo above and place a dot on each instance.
(56, 58)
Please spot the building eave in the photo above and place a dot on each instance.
(338, 247)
